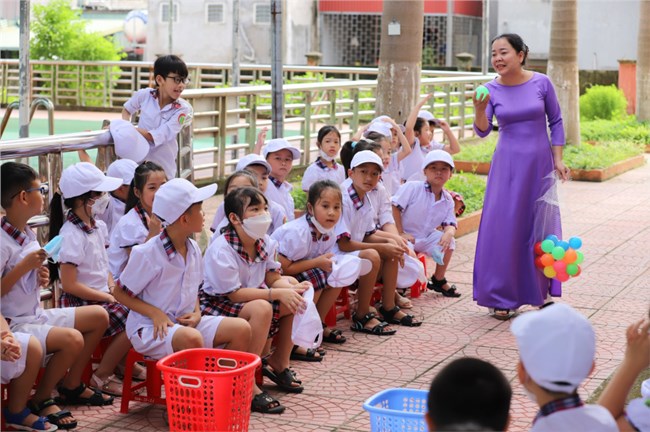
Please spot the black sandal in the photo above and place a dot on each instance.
(73, 397)
(266, 404)
(437, 286)
(359, 325)
(309, 356)
(54, 418)
(335, 336)
(284, 379)
(407, 320)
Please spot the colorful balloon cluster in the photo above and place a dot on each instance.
(559, 259)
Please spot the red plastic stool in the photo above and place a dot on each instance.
(4, 390)
(419, 287)
(153, 384)
(342, 305)
(95, 357)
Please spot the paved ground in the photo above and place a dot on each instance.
(614, 289)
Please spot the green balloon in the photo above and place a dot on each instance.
(547, 246)
(572, 269)
(580, 258)
(558, 252)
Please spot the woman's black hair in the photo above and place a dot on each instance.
(139, 181)
(238, 200)
(241, 173)
(317, 188)
(322, 133)
(515, 42)
(351, 148)
(57, 218)
(164, 65)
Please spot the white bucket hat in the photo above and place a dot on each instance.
(380, 127)
(426, 115)
(173, 198)
(412, 272)
(346, 269)
(84, 177)
(128, 142)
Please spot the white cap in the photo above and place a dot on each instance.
(438, 156)
(253, 159)
(638, 413)
(556, 346)
(129, 143)
(366, 156)
(122, 168)
(346, 269)
(426, 115)
(278, 144)
(412, 271)
(380, 127)
(173, 198)
(84, 177)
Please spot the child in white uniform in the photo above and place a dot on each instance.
(69, 335)
(162, 111)
(83, 261)
(415, 199)
(381, 132)
(242, 277)
(325, 166)
(280, 155)
(138, 224)
(124, 169)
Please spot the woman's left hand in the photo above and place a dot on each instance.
(562, 171)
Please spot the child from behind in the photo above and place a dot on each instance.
(280, 155)
(416, 198)
(325, 166)
(163, 112)
(69, 335)
(557, 346)
(469, 394)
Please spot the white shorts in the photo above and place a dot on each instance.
(144, 342)
(426, 244)
(12, 370)
(55, 317)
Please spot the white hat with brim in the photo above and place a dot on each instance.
(366, 156)
(128, 142)
(426, 115)
(438, 156)
(346, 269)
(173, 198)
(412, 272)
(557, 346)
(253, 159)
(278, 144)
(124, 169)
(84, 177)
(380, 127)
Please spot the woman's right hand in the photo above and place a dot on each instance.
(290, 297)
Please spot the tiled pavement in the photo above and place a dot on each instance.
(613, 219)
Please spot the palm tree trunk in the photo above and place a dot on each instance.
(643, 64)
(563, 64)
(400, 58)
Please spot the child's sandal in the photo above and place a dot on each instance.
(285, 380)
(359, 325)
(73, 396)
(407, 320)
(266, 404)
(15, 421)
(54, 418)
(437, 286)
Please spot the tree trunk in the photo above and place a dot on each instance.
(400, 58)
(643, 64)
(563, 64)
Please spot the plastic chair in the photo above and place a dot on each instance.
(341, 306)
(95, 357)
(420, 287)
(153, 384)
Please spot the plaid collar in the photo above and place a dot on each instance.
(235, 242)
(354, 196)
(19, 236)
(143, 215)
(314, 231)
(568, 402)
(76, 220)
(275, 181)
(320, 164)
(168, 244)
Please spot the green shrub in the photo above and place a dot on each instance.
(471, 187)
(602, 102)
(299, 196)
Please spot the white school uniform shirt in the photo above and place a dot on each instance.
(113, 213)
(278, 217)
(157, 274)
(226, 270)
(297, 240)
(319, 171)
(357, 216)
(592, 418)
(87, 252)
(130, 231)
(280, 193)
(421, 213)
(391, 177)
(380, 200)
(23, 300)
(163, 125)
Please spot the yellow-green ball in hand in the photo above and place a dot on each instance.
(481, 93)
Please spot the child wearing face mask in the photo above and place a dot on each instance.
(83, 260)
(325, 166)
(242, 279)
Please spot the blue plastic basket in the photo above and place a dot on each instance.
(397, 410)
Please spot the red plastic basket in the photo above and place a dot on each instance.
(209, 389)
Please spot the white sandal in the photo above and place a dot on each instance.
(110, 386)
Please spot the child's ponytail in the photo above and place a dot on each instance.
(56, 222)
(347, 150)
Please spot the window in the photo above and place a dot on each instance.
(262, 13)
(214, 13)
(164, 12)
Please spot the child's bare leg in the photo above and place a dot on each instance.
(235, 333)
(326, 300)
(115, 352)
(366, 287)
(186, 338)
(258, 313)
(389, 281)
(279, 360)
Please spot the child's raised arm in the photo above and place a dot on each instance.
(405, 148)
(453, 146)
(261, 137)
(412, 118)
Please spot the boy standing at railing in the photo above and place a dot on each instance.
(162, 111)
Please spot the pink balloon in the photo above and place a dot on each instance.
(559, 266)
(562, 277)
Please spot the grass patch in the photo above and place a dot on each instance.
(471, 187)
(480, 151)
(601, 155)
(628, 130)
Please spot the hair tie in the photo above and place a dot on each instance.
(354, 144)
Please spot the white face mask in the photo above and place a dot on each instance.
(257, 226)
(100, 205)
(321, 229)
(325, 156)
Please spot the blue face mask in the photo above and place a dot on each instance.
(53, 249)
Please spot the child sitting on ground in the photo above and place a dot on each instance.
(325, 166)
(280, 155)
(557, 346)
(414, 199)
(469, 394)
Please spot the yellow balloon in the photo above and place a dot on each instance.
(549, 272)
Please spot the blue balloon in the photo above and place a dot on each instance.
(553, 238)
(563, 244)
(575, 242)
